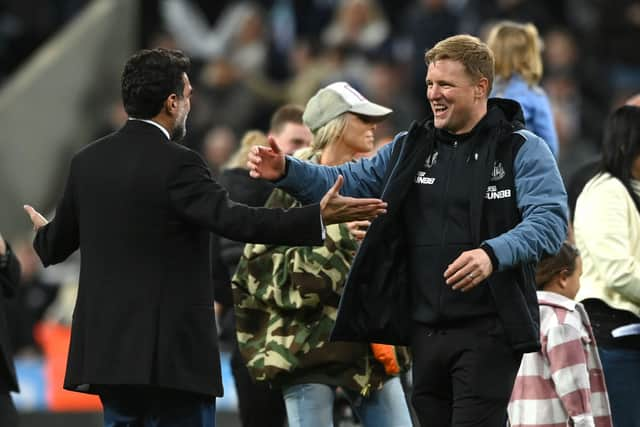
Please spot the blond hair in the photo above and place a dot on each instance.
(517, 49)
(329, 132)
(249, 140)
(475, 55)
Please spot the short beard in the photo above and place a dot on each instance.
(179, 132)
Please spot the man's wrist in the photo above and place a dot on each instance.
(285, 172)
(491, 254)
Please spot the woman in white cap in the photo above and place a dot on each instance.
(286, 298)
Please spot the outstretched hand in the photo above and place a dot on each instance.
(336, 209)
(266, 162)
(36, 218)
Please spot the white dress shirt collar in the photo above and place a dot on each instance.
(151, 122)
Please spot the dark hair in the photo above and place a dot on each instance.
(289, 113)
(549, 267)
(149, 77)
(621, 146)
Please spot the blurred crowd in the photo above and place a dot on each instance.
(252, 57)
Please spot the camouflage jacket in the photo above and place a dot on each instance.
(286, 302)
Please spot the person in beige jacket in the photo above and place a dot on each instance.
(607, 232)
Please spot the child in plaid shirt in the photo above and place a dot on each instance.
(563, 383)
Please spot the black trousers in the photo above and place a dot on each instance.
(462, 375)
(259, 405)
(8, 413)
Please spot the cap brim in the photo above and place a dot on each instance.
(371, 109)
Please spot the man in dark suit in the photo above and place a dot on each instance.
(9, 280)
(140, 207)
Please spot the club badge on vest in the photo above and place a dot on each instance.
(497, 173)
(421, 178)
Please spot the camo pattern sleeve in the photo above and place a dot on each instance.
(286, 301)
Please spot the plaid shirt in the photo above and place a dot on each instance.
(562, 384)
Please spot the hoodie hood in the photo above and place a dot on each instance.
(507, 110)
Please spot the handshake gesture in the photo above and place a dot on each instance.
(269, 163)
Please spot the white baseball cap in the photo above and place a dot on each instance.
(338, 98)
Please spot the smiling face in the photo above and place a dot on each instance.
(359, 133)
(457, 101)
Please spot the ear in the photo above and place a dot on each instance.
(171, 104)
(562, 278)
(481, 88)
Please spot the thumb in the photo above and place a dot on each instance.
(29, 209)
(35, 216)
(335, 188)
(274, 145)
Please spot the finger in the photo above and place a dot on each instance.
(335, 188)
(274, 145)
(458, 264)
(472, 283)
(357, 202)
(463, 275)
(370, 214)
(361, 224)
(358, 234)
(30, 211)
(464, 281)
(36, 218)
(254, 158)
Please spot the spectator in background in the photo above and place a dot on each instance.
(9, 281)
(588, 170)
(517, 51)
(259, 405)
(607, 232)
(228, 53)
(288, 130)
(358, 25)
(232, 36)
(619, 27)
(218, 146)
(562, 384)
(286, 297)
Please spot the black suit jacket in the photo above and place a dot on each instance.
(9, 281)
(141, 208)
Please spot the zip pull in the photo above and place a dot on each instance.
(366, 391)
